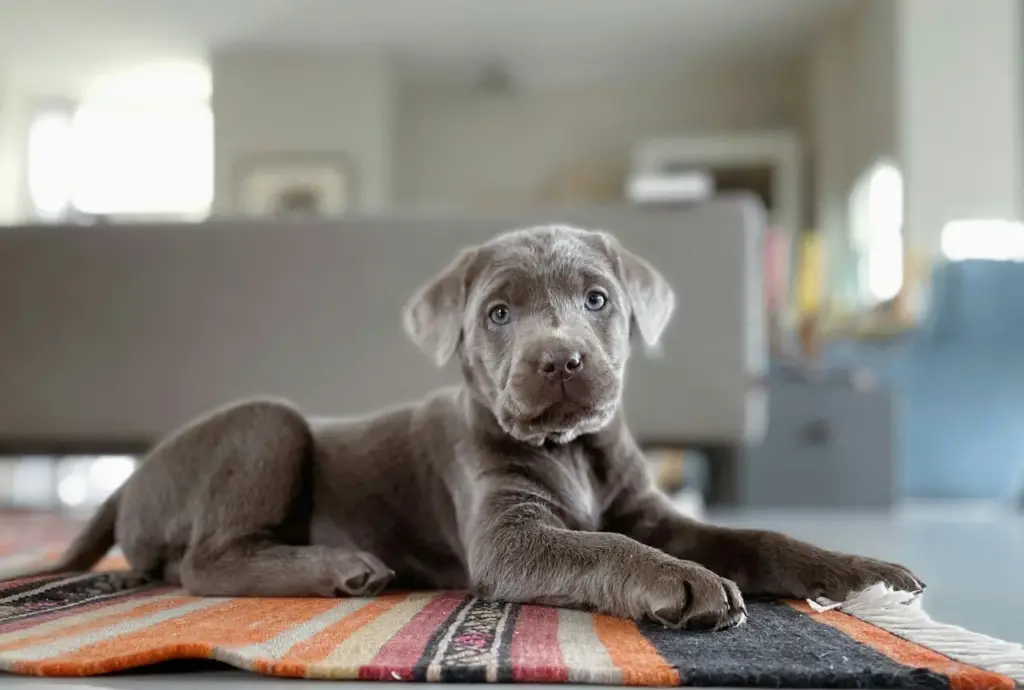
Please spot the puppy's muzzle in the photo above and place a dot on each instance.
(561, 386)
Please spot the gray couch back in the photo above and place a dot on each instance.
(116, 334)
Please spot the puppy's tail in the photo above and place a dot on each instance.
(91, 544)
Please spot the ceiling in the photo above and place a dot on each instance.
(61, 45)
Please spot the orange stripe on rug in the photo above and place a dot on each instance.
(961, 676)
(640, 662)
(319, 646)
(196, 634)
(52, 657)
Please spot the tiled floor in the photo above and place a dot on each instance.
(972, 560)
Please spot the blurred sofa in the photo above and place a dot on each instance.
(112, 335)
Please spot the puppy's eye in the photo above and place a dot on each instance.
(500, 314)
(595, 301)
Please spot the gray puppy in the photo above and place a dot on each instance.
(522, 484)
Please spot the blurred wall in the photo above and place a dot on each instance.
(14, 122)
(960, 126)
(852, 121)
(439, 144)
(299, 102)
(462, 147)
(427, 139)
(936, 86)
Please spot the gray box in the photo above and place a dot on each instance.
(829, 444)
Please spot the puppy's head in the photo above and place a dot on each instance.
(541, 319)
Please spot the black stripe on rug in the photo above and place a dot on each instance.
(419, 672)
(10, 588)
(68, 591)
(505, 668)
(781, 647)
(475, 642)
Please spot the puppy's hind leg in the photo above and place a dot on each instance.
(266, 569)
(243, 540)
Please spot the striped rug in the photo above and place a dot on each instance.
(103, 622)
(109, 621)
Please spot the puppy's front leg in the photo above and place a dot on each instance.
(522, 553)
(759, 561)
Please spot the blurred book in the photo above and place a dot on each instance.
(682, 475)
(686, 186)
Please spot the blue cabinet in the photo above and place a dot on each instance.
(957, 384)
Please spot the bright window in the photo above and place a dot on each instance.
(140, 143)
(999, 240)
(49, 164)
(50, 482)
(142, 159)
(876, 215)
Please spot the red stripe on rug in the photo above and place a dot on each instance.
(398, 657)
(536, 656)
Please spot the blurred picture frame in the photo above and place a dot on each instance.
(294, 185)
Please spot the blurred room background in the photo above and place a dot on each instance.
(147, 144)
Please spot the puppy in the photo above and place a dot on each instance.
(522, 484)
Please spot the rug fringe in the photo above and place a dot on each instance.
(901, 614)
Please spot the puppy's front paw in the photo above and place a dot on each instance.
(360, 574)
(837, 576)
(681, 594)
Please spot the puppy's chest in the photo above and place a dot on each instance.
(578, 490)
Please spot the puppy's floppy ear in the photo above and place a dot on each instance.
(651, 298)
(433, 317)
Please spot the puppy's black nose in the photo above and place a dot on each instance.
(561, 365)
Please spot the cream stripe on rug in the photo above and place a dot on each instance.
(277, 647)
(901, 614)
(359, 650)
(583, 653)
(434, 667)
(499, 633)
